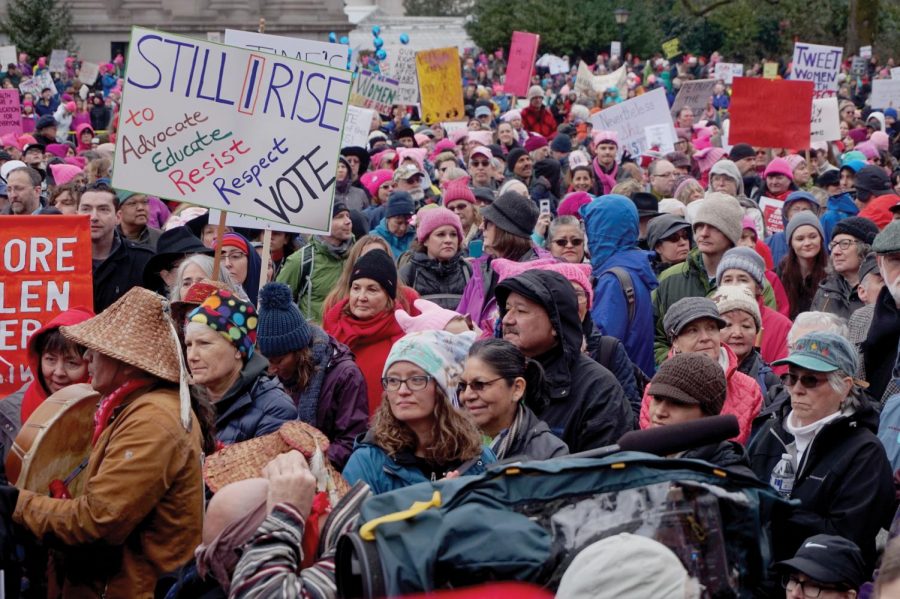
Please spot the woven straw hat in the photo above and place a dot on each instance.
(135, 330)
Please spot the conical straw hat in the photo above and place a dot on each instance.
(135, 330)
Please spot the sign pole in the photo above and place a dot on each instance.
(266, 257)
(220, 232)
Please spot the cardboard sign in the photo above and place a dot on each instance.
(671, 48)
(865, 52)
(45, 269)
(727, 71)
(819, 64)
(770, 70)
(35, 85)
(230, 128)
(771, 209)
(88, 73)
(771, 113)
(8, 55)
(825, 122)
(858, 66)
(58, 60)
(10, 112)
(522, 52)
(314, 51)
(440, 84)
(885, 94)
(615, 49)
(357, 125)
(371, 90)
(694, 94)
(631, 118)
(401, 66)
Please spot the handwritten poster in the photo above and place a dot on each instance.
(522, 52)
(819, 64)
(615, 49)
(401, 66)
(314, 51)
(885, 94)
(371, 90)
(727, 71)
(671, 48)
(440, 84)
(825, 124)
(770, 70)
(88, 73)
(231, 128)
(38, 83)
(631, 118)
(357, 126)
(586, 83)
(58, 60)
(10, 112)
(694, 94)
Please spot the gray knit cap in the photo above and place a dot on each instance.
(804, 217)
(723, 212)
(746, 259)
(687, 310)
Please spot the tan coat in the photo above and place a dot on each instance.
(141, 514)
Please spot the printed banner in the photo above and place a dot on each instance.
(885, 94)
(771, 113)
(357, 126)
(771, 209)
(314, 51)
(825, 123)
(230, 128)
(45, 269)
(586, 83)
(10, 112)
(631, 118)
(819, 64)
(88, 73)
(522, 52)
(440, 84)
(35, 85)
(401, 66)
(694, 94)
(58, 60)
(727, 71)
(371, 90)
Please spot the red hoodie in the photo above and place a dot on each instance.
(36, 392)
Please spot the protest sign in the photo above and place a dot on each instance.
(770, 70)
(825, 122)
(865, 52)
(401, 66)
(10, 112)
(58, 60)
(553, 63)
(615, 49)
(694, 94)
(895, 73)
(819, 64)
(586, 83)
(771, 113)
(214, 36)
(671, 48)
(727, 71)
(631, 118)
(8, 56)
(230, 128)
(371, 90)
(857, 66)
(885, 94)
(451, 126)
(314, 51)
(45, 269)
(440, 84)
(522, 52)
(88, 73)
(584, 80)
(771, 209)
(357, 126)
(660, 137)
(36, 84)
(233, 219)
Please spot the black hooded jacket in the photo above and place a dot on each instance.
(583, 403)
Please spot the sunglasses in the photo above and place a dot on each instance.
(674, 237)
(480, 163)
(808, 381)
(564, 242)
(476, 386)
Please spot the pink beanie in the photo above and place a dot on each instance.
(58, 150)
(607, 136)
(383, 155)
(747, 222)
(71, 107)
(535, 142)
(580, 274)
(459, 135)
(484, 138)
(432, 317)
(445, 145)
(9, 140)
(868, 149)
(372, 181)
(572, 203)
(435, 218)
(458, 189)
(779, 166)
(794, 160)
(421, 139)
(880, 140)
(417, 155)
(708, 157)
(63, 173)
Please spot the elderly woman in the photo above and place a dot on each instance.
(851, 241)
(496, 380)
(196, 268)
(693, 325)
(220, 335)
(821, 449)
(565, 239)
(418, 434)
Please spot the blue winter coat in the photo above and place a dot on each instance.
(255, 405)
(840, 206)
(399, 245)
(372, 465)
(611, 225)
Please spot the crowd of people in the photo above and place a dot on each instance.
(520, 289)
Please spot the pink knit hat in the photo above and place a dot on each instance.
(707, 157)
(458, 189)
(63, 173)
(445, 145)
(868, 149)
(372, 181)
(794, 160)
(429, 220)
(58, 150)
(779, 166)
(417, 155)
(607, 136)
(70, 106)
(421, 139)
(535, 142)
(572, 203)
(580, 274)
(484, 138)
(880, 140)
(432, 317)
(458, 135)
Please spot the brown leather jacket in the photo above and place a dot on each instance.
(141, 514)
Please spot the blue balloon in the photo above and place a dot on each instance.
(345, 40)
(378, 42)
(332, 37)
(404, 38)
(381, 54)
(376, 30)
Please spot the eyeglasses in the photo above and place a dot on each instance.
(808, 381)
(477, 386)
(808, 588)
(479, 163)
(843, 243)
(574, 242)
(678, 236)
(234, 256)
(413, 383)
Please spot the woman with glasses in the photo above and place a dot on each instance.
(418, 432)
(669, 237)
(497, 383)
(851, 241)
(827, 567)
(565, 239)
(242, 262)
(821, 448)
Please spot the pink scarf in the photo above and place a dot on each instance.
(607, 181)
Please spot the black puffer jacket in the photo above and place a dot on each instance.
(836, 296)
(533, 440)
(583, 405)
(439, 282)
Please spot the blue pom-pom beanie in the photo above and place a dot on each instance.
(282, 329)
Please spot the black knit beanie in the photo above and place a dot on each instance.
(379, 267)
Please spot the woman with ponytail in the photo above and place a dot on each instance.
(497, 384)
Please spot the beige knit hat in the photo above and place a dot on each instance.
(737, 297)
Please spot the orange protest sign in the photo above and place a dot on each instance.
(45, 269)
(440, 85)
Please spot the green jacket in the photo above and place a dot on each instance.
(688, 279)
(321, 266)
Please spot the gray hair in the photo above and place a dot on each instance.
(836, 380)
(453, 173)
(822, 322)
(206, 264)
(563, 221)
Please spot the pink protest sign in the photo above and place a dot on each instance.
(10, 112)
(522, 54)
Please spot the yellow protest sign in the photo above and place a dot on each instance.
(440, 85)
(671, 48)
(770, 70)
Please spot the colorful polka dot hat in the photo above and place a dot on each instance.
(822, 352)
(231, 316)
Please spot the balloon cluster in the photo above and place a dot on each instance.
(377, 42)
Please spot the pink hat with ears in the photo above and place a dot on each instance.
(484, 138)
(71, 107)
(10, 139)
(63, 173)
(421, 139)
(372, 181)
(880, 140)
(779, 166)
(580, 274)
(417, 155)
(432, 317)
(572, 203)
(445, 145)
(868, 149)
(458, 135)
(747, 222)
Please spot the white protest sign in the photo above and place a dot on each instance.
(631, 118)
(895, 73)
(232, 219)
(38, 83)
(825, 123)
(357, 126)
(586, 83)
(615, 49)
(451, 126)
(555, 64)
(58, 60)
(819, 64)
(727, 71)
(401, 66)
(584, 80)
(694, 94)
(88, 73)
(865, 52)
(371, 90)
(885, 94)
(214, 36)
(660, 136)
(8, 56)
(323, 53)
(230, 128)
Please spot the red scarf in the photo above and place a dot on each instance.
(348, 329)
(112, 401)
